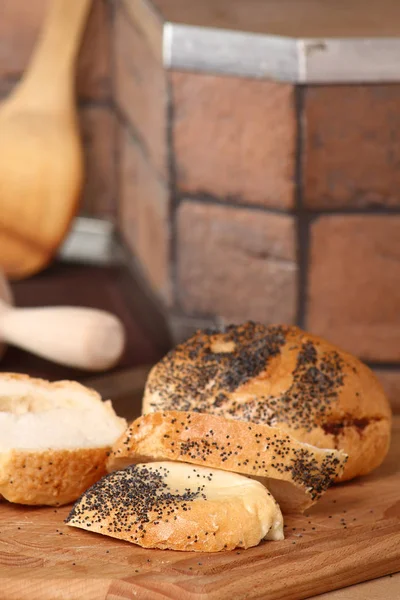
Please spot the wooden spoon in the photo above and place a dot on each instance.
(78, 337)
(40, 151)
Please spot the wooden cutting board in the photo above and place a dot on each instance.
(352, 535)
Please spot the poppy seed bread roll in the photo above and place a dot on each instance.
(297, 474)
(179, 507)
(283, 377)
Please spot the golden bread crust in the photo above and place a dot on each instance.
(36, 384)
(255, 450)
(36, 474)
(49, 477)
(280, 376)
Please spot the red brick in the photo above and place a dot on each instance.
(354, 299)
(234, 137)
(140, 89)
(352, 149)
(98, 138)
(94, 61)
(236, 263)
(19, 27)
(143, 213)
(390, 380)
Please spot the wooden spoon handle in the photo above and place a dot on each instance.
(49, 78)
(79, 337)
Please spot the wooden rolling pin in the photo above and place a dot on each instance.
(84, 338)
(41, 166)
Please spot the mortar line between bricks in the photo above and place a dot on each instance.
(174, 200)
(302, 220)
(95, 102)
(81, 102)
(306, 214)
(384, 366)
(123, 119)
(207, 198)
(372, 211)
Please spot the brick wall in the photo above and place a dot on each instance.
(244, 198)
(20, 22)
(239, 198)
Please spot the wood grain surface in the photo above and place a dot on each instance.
(352, 535)
(383, 588)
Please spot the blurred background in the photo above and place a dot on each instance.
(241, 160)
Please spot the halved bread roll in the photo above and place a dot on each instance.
(297, 474)
(179, 507)
(54, 439)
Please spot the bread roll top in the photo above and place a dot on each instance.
(280, 376)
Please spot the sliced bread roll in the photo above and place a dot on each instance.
(297, 474)
(179, 507)
(283, 377)
(54, 439)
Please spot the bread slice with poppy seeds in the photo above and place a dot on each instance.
(176, 506)
(297, 474)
